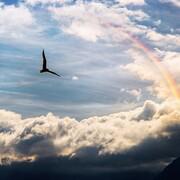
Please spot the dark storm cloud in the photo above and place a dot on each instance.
(64, 168)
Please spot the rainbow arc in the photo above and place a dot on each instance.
(166, 74)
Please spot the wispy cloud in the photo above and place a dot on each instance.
(134, 2)
(174, 2)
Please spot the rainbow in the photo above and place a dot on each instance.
(170, 81)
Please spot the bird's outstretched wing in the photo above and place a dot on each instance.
(53, 73)
(44, 60)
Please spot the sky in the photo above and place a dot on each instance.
(118, 97)
(93, 60)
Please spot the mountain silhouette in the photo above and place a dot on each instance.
(171, 172)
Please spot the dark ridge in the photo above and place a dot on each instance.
(171, 172)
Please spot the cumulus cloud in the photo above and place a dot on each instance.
(146, 70)
(46, 136)
(15, 21)
(133, 92)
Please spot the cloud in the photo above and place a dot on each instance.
(174, 2)
(145, 70)
(114, 134)
(91, 21)
(75, 78)
(85, 20)
(96, 21)
(36, 2)
(121, 2)
(159, 39)
(171, 60)
(21, 25)
(15, 21)
(133, 92)
(133, 2)
(82, 20)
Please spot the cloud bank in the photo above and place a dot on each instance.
(133, 133)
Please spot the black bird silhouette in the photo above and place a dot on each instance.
(44, 67)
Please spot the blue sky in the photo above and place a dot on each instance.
(101, 68)
(10, 1)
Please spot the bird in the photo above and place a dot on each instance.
(44, 66)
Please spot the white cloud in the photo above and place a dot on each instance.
(15, 21)
(35, 2)
(121, 2)
(133, 2)
(174, 2)
(22, 139)
(171, 62)
(91, 21)
(75, 78)
(1, 4)
(135, 92)
(82, 20)
(143, 67)
(160, 39)
(158, 22)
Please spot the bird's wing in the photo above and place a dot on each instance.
(53, 73)
(44, 60)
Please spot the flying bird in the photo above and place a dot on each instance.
(44, 67)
